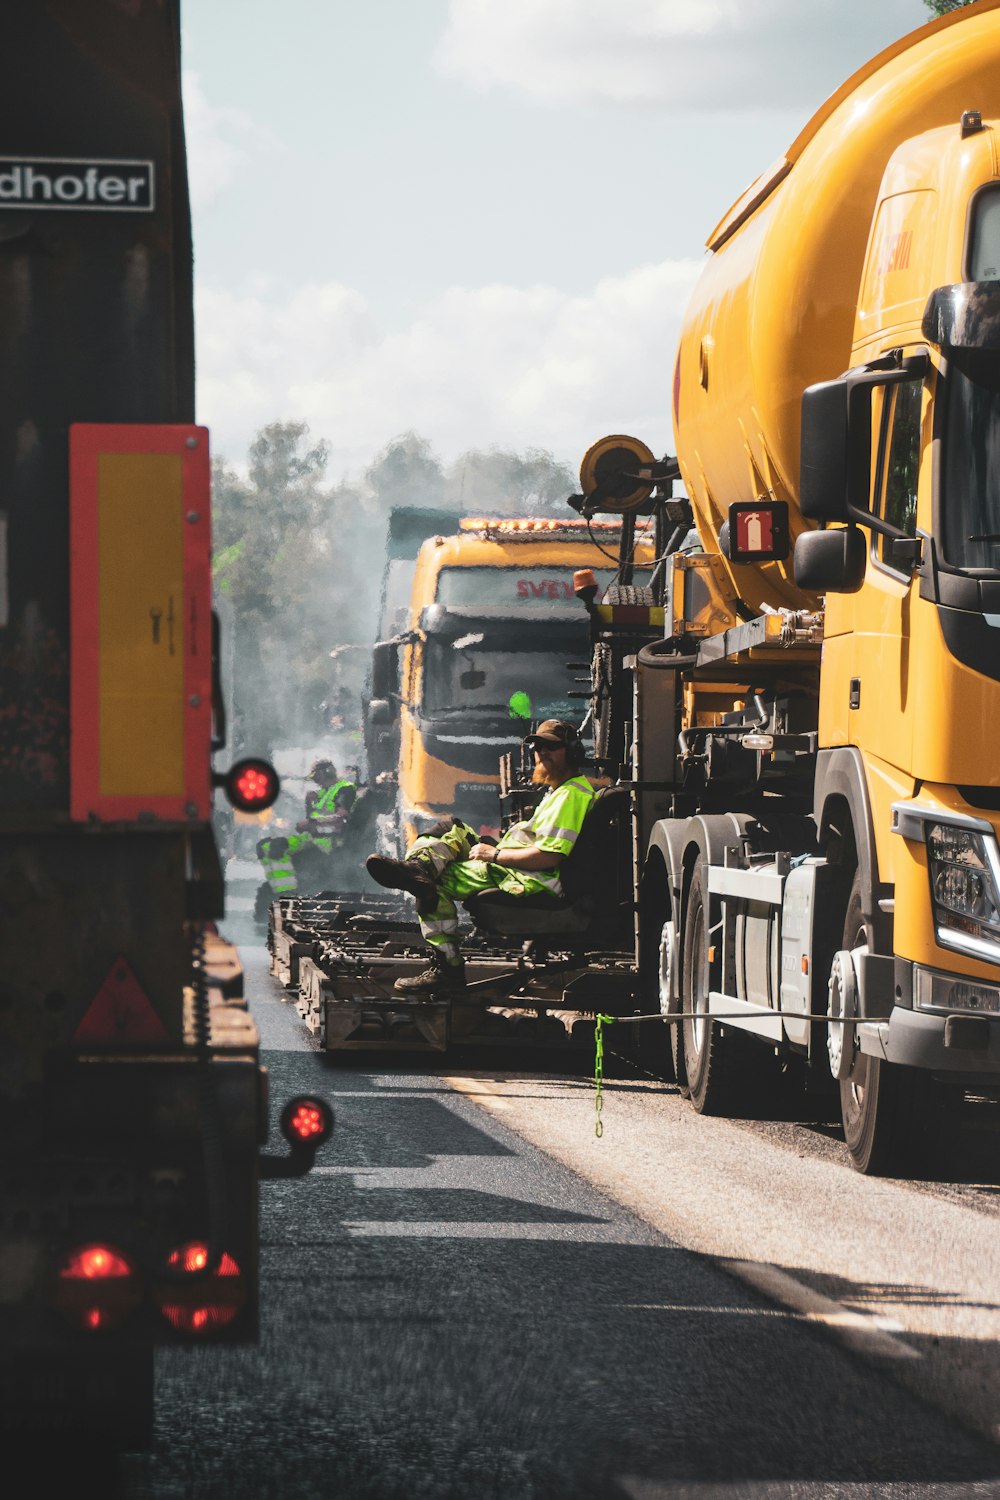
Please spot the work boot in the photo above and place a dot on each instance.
(438, 979)
(404, 875)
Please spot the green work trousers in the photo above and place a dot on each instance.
(445, 855)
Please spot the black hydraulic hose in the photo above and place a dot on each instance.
(746, 727)
(676, 537)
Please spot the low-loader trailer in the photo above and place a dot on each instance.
(811, 738)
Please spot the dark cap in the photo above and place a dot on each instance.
(554, 732)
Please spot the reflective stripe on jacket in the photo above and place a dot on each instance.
(554, 826)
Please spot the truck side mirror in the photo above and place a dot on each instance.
(830, 562)
(823, 469)
(379, 713)
(836, 437)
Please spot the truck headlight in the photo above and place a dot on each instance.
(965, 888)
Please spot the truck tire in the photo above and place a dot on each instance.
(677, 1056)
(655, 966)
(711, 1054)
(886, 1109)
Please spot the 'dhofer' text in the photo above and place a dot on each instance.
(36, 182)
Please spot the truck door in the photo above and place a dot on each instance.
(869, 693)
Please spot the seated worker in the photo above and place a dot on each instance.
(450, 863)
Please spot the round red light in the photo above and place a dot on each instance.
(252, 785)
(306, 1120)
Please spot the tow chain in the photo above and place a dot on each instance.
(599, 1024)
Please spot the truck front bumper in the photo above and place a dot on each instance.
(956, 1043)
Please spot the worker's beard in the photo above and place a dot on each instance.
(542, 776)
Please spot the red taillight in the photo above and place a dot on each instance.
(97, 1287)
(210, 1301)
(251, 785)
(194, 1257)
(95, 1263)
(306, 1121)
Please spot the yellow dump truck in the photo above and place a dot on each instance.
(813, 737)
(474, 668)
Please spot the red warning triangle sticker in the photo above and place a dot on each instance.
(120, 1011)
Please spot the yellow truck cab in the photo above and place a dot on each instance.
(476, 670)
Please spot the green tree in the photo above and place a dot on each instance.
(271, 568)
(405, 472)
(942, 7)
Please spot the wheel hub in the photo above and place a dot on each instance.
(842, 1009)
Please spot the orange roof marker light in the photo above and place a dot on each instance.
(513, 528)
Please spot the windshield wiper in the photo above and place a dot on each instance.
(986, 536)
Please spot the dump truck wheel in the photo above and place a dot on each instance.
(711, 1053)
(886, 1109)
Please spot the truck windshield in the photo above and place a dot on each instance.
(480, 682)
(971, 462)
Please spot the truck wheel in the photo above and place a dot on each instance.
(885, 1108)
(666, 986)
(710, 1054)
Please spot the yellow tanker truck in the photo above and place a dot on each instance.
(814, 741)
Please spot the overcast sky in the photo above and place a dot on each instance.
(479, 219)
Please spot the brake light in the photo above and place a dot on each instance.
(95, 1263)
(97, 1287)
(210, 1301)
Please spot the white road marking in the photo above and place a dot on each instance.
(872, 1336)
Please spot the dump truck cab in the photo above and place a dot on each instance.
(493, 623)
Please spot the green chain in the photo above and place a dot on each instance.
(599, 1023)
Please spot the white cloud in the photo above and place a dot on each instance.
(515, 367)
(712, 55)
(219, 140)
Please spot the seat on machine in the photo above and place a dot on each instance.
(588, 875)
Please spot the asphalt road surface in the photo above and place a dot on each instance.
(472, 1297)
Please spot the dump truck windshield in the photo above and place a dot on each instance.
(971, 471)
(482, 683)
